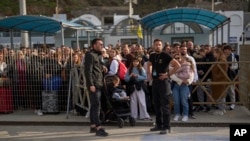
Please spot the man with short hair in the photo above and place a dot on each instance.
(93, 69)
(158, 71)
(190, 48)
(176, 48)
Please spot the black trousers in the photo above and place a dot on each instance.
(95, 105)
(161, 91)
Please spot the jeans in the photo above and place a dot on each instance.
(95, 106)
(180, 95)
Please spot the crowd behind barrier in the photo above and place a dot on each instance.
(28, 73)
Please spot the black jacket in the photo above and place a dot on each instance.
(93, 69)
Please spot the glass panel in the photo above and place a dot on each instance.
(178, 28)
(127, 27)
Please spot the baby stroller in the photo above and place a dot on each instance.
(115, 110)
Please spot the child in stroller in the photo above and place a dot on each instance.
(117, 101)
(118, 92)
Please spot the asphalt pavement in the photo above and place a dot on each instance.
(137, 133)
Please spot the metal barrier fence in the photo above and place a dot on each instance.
(45, 83)
(240, 81)
(34, 81)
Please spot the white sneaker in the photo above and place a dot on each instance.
(224, 111)
(39, 112)
(176, 117)
(232, 106)
(184, 118)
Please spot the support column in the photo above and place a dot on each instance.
(212, 38)
(228, 29)
(147, 38)
(44, 39)
(222, 32)
(77, 39)
(151, 37)
(88, 35)
(11, 39)
(24, 34)
(217, 33)
(30, 41)
(62, 35)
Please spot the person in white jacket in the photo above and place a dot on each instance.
(114, 64)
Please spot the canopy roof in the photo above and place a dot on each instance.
(200, 16)
(37, 24)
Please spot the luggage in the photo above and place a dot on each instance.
(6, 100)
(52, 84)
(50, 102)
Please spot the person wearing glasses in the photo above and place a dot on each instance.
(94, 69)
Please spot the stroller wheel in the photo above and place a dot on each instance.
(120, 122)
(131, 121)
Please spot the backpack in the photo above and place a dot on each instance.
(122, 70)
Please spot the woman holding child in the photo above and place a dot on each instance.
(182, 79)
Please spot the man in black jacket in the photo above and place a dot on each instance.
(94, 80)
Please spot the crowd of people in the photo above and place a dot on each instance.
(159, 79)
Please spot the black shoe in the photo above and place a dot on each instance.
(208, 109)
(163, 132)
(156, 128)
(101, 132)
(92, 130)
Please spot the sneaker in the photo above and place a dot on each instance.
(219, 112)
(101, 132)
(92, 130)
(232, 106)
(176, 117)
(39, 112)
(156, 128)
(184, 118)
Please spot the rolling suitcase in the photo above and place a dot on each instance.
(50, 102)
(6, 101)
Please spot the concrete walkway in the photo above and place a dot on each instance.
(203, 119)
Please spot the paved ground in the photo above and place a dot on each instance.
(80, 133)
(203, 119)
(27, 126)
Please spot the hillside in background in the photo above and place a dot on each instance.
(75, 8)
(47, 7)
